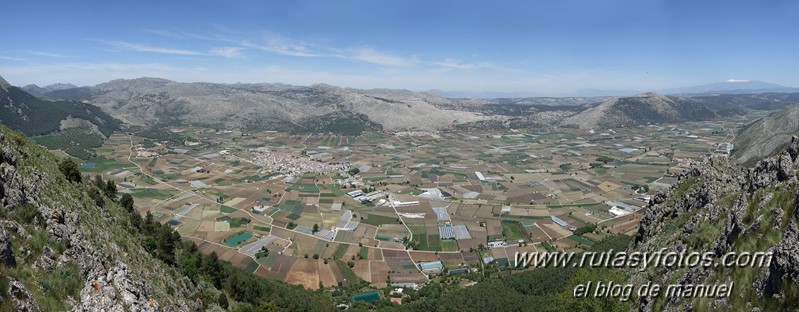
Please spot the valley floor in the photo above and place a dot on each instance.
(277, 204)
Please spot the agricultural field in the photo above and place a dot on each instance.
(330, 208)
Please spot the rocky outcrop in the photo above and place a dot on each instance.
(734, 204)
(21, 299)
(6, 250)
(784, 268)
(46, 261)
(114, 290)
(118, 275)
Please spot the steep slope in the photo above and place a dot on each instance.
(66, 250)
(67, 242)
(642, 109)
(72, 126)
(152, 101)
(767, 135)
(719, 207)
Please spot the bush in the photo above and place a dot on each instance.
(70, 170)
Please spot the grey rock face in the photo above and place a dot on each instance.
(114, 290)
(784, 266)
(715, 179)
(6, 251)
(21, 299)
(46, 260)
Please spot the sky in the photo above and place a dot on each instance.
(530, 47)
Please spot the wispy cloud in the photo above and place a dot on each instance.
(228, 52)
(122, 45)
(454, 64)
(47, 54)
(279, 44)
(11, 58)
(373, 56)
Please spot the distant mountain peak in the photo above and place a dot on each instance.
(732, 86)
(39, 91)
(648, 94)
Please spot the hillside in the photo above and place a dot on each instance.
(152, 101)
(642, 109)
(720, 207)
(72, 126)
(69, 243)
(766, 135)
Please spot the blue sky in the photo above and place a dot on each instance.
(533, 47)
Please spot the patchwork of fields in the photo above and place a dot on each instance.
(451, 194)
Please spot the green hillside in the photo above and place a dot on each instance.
(68, 242)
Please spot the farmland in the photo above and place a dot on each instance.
(425, 196)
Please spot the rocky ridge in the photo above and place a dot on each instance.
(721, 207)
(116, 272)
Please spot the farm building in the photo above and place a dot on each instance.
(458, 271)
(497, 244)
(559, 221)
(431, 267)
(259, 209)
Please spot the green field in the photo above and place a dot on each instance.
(238, 222)
(581, 240)
(227, 209)
(151, 193)
(348, 274)
(340, 251)
(364, 253)
(291, 206)
(261, 228)
(336, 191)
(449, 245)
(378, 220)
(236, 239)
(513, 230)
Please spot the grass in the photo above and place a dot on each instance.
(335, 189)
(237, 239)
(238, 222)
(581, 240)
(377, 220)
(151, 193)
(348, 274)
(449, 245)
(291, 206)
(261, 228)
(340, 251)
(513, 230)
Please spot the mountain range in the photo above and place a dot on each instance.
(152, 101)
(71, 126)
(39, 91)
(731, 86)
(642, 109)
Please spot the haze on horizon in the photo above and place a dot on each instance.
(512, 47)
